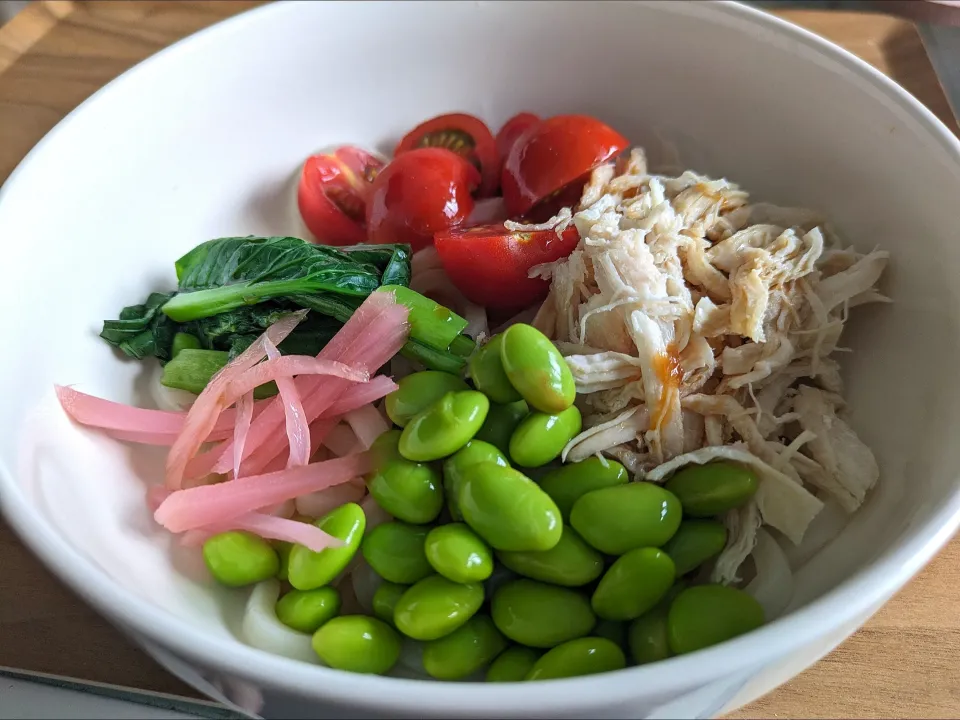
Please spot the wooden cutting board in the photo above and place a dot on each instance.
(904, 663)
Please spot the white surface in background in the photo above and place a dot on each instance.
(25, 700)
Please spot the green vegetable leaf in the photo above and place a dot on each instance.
(143, 330)
(229, 273)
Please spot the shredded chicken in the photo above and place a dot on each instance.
(700, 327)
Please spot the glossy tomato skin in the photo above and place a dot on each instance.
(512, 129)
(467, 136)
(420, 193)
(552, 154)
(490, 264)
(332, 194)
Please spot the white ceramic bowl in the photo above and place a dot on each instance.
(204, 140)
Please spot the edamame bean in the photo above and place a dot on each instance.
(540, 437)
(444, 427)
(583, 656)
(705, 615)
(395, 551)
(712, 489)
(508, 509)
(501, 421)
(418, 391)
(613, 630)
(696, 542)
(571, 562)
(283, 553)
(569, 483)
(621, 518)
(458, 553)
(307, 610)
(540, 615)
(475, 451)
(486, 371)
(308, 569)
(435, 607)
(537, 369)
(633, 584)
(237, 558)
(357, 643)
(409, 491)
(512, 665)
(464, 651)
(385, 600)
(647, 635)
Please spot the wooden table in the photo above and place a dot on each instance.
(53, 55)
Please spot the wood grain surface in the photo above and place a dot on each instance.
(905, 663)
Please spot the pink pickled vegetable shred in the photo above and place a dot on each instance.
(114, 417)
(374, 333)
(269, 527)
(240, 430)
(161, 427)
(202, 416)
(199, 506)
(298, 429)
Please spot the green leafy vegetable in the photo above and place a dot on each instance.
(231, 289)
(191, 370)
(230, 273)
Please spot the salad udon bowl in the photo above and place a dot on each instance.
(204, 141)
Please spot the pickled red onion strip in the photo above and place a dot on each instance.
(354, 397)
(156, 494)
(240, 430)
(367, 424)
(359, 395)
(202, 417)
(282, 369)
(374, 333)
(113, 416)
(268, 527)
(199, 506)
(298, 430)
(319, 429)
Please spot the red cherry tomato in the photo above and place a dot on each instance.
(513, 129)
(489, 264)
(463, 134)
(332, 194)
(552, 154)
(420, 193)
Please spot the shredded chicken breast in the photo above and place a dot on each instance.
(700, 327)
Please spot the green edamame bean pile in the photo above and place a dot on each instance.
(491, 572)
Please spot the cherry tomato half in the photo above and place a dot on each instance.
(552, 154)
(332, 194)
(420, 193)
(489, 264)
(465, 135)
(512, 129)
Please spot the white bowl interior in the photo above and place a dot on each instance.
(205, 141)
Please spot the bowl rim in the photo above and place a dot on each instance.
(854, 599)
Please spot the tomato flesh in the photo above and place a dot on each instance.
(512, 129)
(464, 135)
(332, 194)
(489, 264)
(552, 154)
(420, 193)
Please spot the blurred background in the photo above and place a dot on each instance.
(9, 8)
